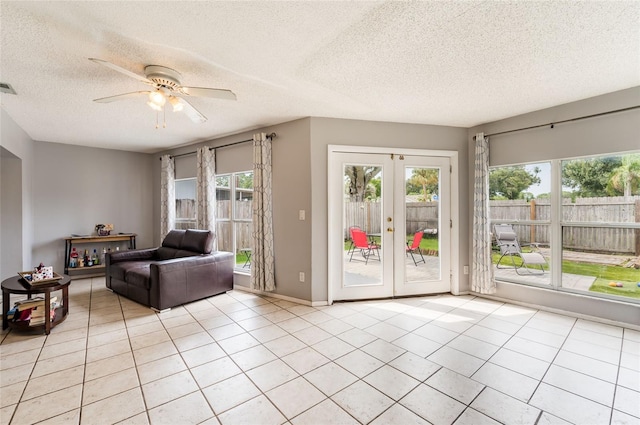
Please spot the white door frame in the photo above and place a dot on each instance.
(335, 220)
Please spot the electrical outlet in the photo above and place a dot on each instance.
(301, 215)
(301, 276)
(466, 270)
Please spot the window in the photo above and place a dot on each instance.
(587, 225)
(186, 203)
(234, 193)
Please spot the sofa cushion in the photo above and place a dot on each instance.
(165, 253)
(199, 241)
(182, 253)
(139, 276)
(120, 270)
(173, 239)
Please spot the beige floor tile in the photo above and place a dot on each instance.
(106, 338)
(116, 408)
(53, 382)
(194, 340)
(215, 371)
(48, 406)
(258, 410)
(56, 364)
(306, 396)
(392, 382)
(169, 388)
(432, 405)
(362, 401)
(203, 354)
(104, 367)
(139, 419)
(15, 375)
(271, 375)
(160, 368)
(109, 350)
(154, 352)
(10, 394)
(56, 350)
(6, 413)
(68, 418)
(326, 412)
(330, 378)
(230, 393)
(109, 385)
(148, 339)
(190, 409)
(12, 360)
(398, 414)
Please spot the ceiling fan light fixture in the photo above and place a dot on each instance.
(175, 102)
(157, 97)
(154, 106)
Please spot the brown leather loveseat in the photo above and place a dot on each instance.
(182, 270)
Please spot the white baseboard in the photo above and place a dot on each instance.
(281, 297)
(559, 311)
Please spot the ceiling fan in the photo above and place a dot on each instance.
(166, 86)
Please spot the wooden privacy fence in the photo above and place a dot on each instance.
(424, 215)
(367, 216)
(595, 210)
(186, 208)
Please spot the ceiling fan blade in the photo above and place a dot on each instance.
(121, 70)
(122, 96)
(193, 114)
(207, 92)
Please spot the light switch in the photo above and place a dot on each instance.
(301, 215)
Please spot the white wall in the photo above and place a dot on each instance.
(20, 145)
(75, 188)
(10, 214)
(618, 132)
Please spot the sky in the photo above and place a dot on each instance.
(545, 178)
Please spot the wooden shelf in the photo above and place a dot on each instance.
(98, 270)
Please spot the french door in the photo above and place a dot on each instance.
(401, 203)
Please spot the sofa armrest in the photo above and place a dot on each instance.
(131, 255)
(174, 281)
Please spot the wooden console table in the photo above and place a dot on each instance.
(92, 271)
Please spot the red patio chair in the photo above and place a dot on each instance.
(415, 247)
(366, 247)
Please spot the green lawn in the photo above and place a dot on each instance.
(604, 274)
(630, 289)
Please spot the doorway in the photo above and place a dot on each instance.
(389, 223)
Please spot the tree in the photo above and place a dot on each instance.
(426, 179)
(358, 178)
(510, 182)
(625, 179)
(589, 177)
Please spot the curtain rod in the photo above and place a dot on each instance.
(551, 124)
(269, 136)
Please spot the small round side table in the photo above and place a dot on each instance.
(16, 285)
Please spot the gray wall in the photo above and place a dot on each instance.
(10, 214)
(606, 134)
(329, 131)
(291, 193)
(20, 145)
(75, 188)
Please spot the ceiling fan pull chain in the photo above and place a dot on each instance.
(164, 117)
(157, 125)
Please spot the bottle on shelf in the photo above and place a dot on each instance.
(104, 253)
(96, 259)
(88, 261)
(73, 258)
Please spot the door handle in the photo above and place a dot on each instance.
(389, 229)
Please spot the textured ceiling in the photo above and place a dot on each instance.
(458, 63)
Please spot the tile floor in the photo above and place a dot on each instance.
(239, 358)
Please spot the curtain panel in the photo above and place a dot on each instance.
(482, 278)
(262, 266)
(167, 195)
(206, 189)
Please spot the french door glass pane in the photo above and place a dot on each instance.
(362, 208)
(422, 189)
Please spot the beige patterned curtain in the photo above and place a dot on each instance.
(262, 261)
(482, 278)
(206, 189)
(167, 195)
